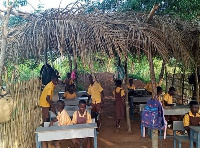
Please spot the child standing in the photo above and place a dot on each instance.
(81, 117)
(131, 89)
(119, 95)
(62, 118)
(70, 94)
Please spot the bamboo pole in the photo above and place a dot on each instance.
(183, 84)
(153, 82)
(196, 84)
(127, 105)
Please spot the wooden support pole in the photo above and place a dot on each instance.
(166, 74)
(127, 105)
(196, 84)
(183, 84)
(153, 82)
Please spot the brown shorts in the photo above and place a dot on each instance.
(45, 112)
(96, 107)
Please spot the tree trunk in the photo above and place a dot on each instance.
(166, 88)
(161, 74)
(173, 77)
(197, 84)
(70, 63)
(127, 105)
(153, 82)
(183, 84)
(4, 40)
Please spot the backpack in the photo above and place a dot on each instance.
(153, 117)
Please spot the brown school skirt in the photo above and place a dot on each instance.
(96, 107)
(120, 109)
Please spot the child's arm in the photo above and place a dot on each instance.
(54, 120)
(51, 103)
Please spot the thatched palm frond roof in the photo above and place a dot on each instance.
(73, 31)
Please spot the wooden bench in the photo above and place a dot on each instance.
(66, 132)
(178, 126)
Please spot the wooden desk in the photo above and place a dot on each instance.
(195, 136)
(176, 110)
(66, 132)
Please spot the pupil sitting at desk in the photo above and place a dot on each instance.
(70, 94)
(62, 118)
(131, 89)
(81, 117)
(192, 118)
(168, 97)
(159, 93)
(68, 81)
(148, 88)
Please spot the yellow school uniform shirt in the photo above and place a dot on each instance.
(131, 87)
(95, 92)
(48, 91)
(186, 119)
(74, 119)
(67, 95)
(63, 118)
(168, 98)
(118, 90)
(149, 88)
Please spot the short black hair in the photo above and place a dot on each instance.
(61, 102)
(130, 80)
(172, 89)
(54, 77)
(118, 82)
(159, 89)
(193, 103)
(82, 102)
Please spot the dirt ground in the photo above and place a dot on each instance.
(107, 138)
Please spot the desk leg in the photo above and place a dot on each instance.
(38, 144)
(191, 138)
(198, 140)
(95, 138)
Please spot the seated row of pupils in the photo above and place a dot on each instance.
(79, 117)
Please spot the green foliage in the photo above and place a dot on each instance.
(186, 9)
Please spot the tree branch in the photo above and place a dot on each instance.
(153, 10)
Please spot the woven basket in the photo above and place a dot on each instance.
(6, 103)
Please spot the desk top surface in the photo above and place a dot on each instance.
(65, 128)
(195, 128)
(176, 107)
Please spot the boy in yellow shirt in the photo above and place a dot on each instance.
(130, 85)
(70, 94)
(95, 91)
(148, 87)
(46, 98)
(168, 97)
(62, 118)
(192, 118)
(131, 89)
(159, 93)
(81, 117)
